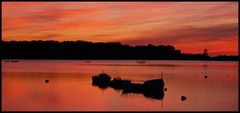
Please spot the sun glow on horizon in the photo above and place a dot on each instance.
(189, 26)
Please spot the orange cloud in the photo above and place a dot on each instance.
(185, 25)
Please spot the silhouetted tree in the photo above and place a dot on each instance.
(205, 52)
(51, 49)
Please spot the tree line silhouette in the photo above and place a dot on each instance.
(38, 49)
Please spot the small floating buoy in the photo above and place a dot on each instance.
(46, 81)
(183, 98)
(205, 76)
(165, 89)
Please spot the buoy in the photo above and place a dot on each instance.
(165, 89)
(183, 98)
(205, 76)
(46, 81)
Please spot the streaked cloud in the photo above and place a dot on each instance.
(190, 26)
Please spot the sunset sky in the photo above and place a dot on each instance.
(189, 26)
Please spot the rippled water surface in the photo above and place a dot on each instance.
(70, 85)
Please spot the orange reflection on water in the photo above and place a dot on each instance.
(74, 91)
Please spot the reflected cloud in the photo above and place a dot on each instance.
(157, 65)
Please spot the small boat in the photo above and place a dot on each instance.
(141, 61)
(7, 60)
(88, 61)
(14, 61)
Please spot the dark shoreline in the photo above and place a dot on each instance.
(118, 59)
(83, 50)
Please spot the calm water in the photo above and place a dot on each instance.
(70, 87)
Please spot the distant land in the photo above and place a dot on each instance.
(38, 49)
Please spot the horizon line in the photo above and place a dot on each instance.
(109, 42)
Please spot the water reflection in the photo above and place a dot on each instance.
(154, 95)
(70, 87)
(150, 65)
